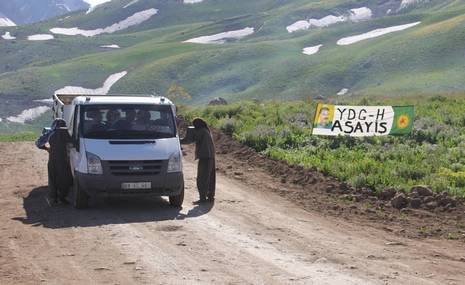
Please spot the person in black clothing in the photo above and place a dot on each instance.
(59, 171)
(205, 153)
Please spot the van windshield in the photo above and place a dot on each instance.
(127, 122)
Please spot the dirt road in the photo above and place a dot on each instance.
(249, 236)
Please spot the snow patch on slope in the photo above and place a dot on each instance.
(109, 82)
(111, 46)
(133, 20)
(130, 3)
(374, 34)
(46, 101)
(354, 15)
(28, 115)
(342, 92)
(192, 1)
(94, 3)
(360, 14)
(40, 37)
(221, 38)
(5, 22)
(8, 36)
(408, 3)
(64, 7)
(317, 23)
(297, 26)
(311, 50)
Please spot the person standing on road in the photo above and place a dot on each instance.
(205, 153)
(60, 179)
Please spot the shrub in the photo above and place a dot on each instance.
(433, 155)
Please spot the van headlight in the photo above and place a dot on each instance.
(94, 165)
(174, 163)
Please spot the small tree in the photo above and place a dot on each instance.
(177, 93)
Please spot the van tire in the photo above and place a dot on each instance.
(80, 197)
(177, 200)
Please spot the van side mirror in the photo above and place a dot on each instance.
(45, 130)
(190, 133)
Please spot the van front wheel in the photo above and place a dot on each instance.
(177, 200)
(80, 197)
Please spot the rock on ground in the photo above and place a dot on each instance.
(218, 101)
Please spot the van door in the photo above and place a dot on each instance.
(74, 152)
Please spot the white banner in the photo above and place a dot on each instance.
(362, 121)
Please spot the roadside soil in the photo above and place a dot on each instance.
(260, 230)
(313, 191)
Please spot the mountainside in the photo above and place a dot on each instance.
(27, 11)
(235, 49)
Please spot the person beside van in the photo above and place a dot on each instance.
(42, 141)
(55, 141)
(205, 153)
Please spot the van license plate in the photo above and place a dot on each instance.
(136, 185)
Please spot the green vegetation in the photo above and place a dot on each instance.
(29, 136)
(433, 155)
(269, 64)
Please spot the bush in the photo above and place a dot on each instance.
(228, 126)
(433, 155)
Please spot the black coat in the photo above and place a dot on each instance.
(59, 166)
(204, 146)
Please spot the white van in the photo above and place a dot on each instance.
(122, 146)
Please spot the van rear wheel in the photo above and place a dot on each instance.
(80, 197)
(177, 200)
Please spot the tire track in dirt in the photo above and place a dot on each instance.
(250, 236)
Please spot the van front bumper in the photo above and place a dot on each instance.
(168, 184)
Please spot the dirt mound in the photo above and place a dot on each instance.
(289, 173)
(414, 214)
(422, 196)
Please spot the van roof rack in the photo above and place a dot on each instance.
(68, 98)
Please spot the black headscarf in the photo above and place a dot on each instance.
(199, 123)
(58, 123)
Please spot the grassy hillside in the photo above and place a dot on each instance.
(427, 59)
(23, 136)
(433, 155)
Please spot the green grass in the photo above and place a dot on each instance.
(427, 59)
(30, 136)
(433, 155)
